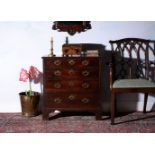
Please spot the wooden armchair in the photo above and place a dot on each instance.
(131, 69)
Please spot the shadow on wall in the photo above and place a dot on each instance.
(106, 55)
(40, 81)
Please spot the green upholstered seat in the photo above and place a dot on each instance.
(133, 83)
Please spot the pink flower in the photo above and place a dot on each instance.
(34, 72)
(24, 75)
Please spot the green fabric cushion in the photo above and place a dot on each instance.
(133, 83)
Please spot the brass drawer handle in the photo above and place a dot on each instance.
(57, 73)
(57, 62)
(57, 100)
(85, 100)
(85, 73)
(85, 62)
(85, 85)
(71, 72)
(57, 85)
(71, 62)
(71, 97)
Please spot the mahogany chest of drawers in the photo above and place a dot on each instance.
(72, 84)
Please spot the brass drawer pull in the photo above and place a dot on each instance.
(71, 97)
(71, 72)
(85, 73)
(71, 62)
(85, 100)
(57, 100)
(57, 62)
(57, 73)
(57, 85)
(85, 85)
(85, 62)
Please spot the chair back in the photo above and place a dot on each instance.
(133, 58)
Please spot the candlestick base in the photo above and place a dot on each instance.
(51, 55)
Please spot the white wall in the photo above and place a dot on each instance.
(24, 43)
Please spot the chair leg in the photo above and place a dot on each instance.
(113, 108)
(145, 102)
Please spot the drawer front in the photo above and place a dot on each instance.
(66, 62)
(50, 63)
(91, 73)
(70, 100)
(71, 86)
(81, 62)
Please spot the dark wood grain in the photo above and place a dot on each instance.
(72, 84)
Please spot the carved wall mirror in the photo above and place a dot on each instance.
(71, 27)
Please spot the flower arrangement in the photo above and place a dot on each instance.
(32, 74)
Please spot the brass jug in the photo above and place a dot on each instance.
(29, 104)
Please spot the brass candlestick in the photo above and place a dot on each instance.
(51, 51)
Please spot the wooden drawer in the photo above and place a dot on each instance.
(71, 86)
(91, 73)
(70, 62)
(50, 63)
(70, 100)
(81, 62)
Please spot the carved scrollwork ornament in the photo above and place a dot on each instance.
(72, 27)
